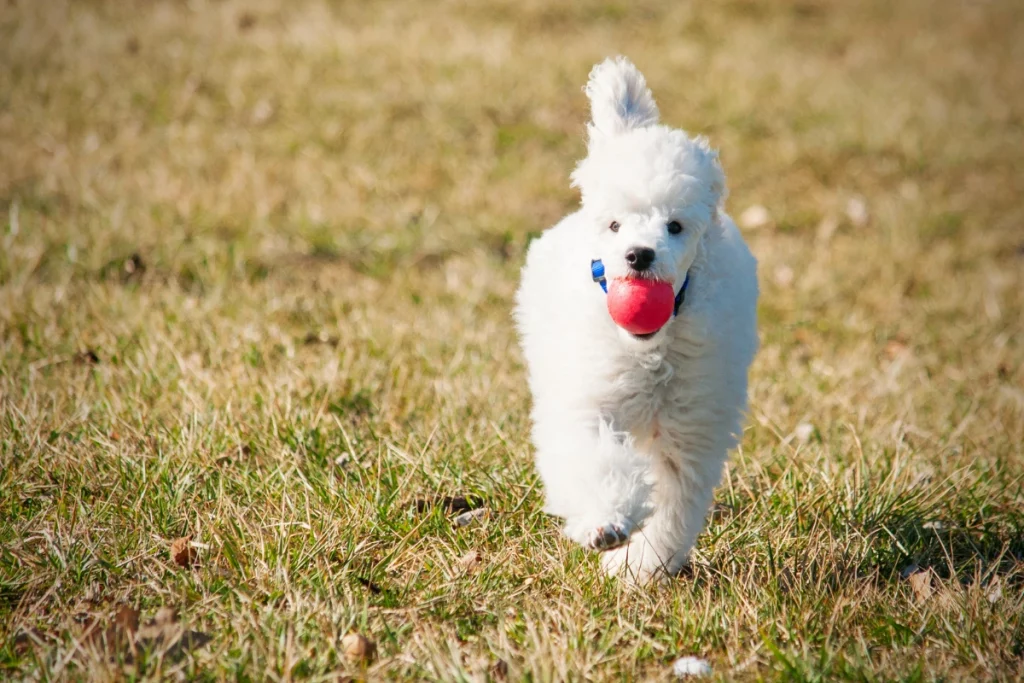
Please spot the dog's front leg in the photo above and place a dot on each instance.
(683, 491)
(594, 479)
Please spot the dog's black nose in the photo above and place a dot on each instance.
(640, 258)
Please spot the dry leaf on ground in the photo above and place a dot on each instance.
(921, 584)
(470, 560)
(182, 552)
(358, 648)
(894, 348)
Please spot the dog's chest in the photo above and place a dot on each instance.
(649, 399)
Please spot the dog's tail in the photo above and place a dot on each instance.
(619, 99)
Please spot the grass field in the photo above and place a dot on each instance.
(257, 262)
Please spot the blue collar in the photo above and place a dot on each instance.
(597, 271)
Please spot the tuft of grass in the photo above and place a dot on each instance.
(256, 266)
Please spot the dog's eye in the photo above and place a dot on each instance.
(614, 227)
(675, 227)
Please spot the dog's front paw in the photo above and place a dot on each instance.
(640, 563)
(598, 535)
(606, 537)
(603, 537)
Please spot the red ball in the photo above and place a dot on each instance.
(640, 306)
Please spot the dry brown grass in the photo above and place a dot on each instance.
(255, 280)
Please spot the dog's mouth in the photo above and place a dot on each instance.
(645, 337)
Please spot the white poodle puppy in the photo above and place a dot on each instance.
(638, 395)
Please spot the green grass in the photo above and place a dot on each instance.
(256, 268)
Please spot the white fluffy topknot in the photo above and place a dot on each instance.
(619, 99)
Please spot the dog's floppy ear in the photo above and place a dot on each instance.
(715, 174)
(619, 99)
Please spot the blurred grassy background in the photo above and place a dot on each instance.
(256, 266)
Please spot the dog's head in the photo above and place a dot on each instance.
(649, 192)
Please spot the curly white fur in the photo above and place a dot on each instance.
(631, 434)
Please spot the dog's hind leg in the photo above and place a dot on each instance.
(594, 479)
